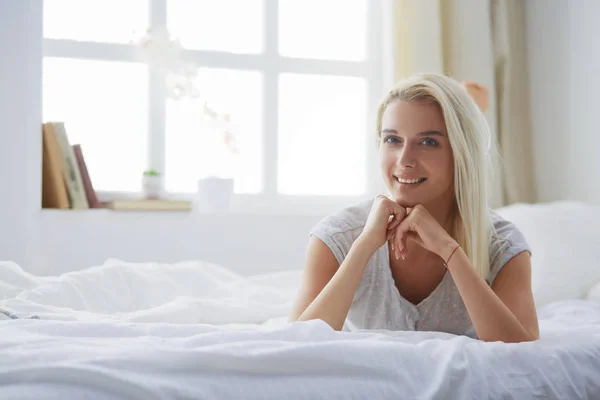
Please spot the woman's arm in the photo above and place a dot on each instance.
(506, 311)
(325, 293)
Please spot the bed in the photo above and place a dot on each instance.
(195, 330)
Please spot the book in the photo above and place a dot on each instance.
(71, 173)
(90, 193)
(148, 205)
(54, 190)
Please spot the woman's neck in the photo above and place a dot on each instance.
(444, 214)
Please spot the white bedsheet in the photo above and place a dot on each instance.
(101, 343)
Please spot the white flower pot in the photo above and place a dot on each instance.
(152, 186)
(215, 194)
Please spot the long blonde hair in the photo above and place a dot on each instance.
(472, 146)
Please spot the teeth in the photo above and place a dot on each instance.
(410, 180)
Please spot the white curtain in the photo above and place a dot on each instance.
(483, 41)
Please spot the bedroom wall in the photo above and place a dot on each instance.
(564, 60)
(20, 110)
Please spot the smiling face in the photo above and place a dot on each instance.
(415, 155)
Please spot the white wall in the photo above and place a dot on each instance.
(247, 244)
(20, 115)
(54, 241)
(564, 62)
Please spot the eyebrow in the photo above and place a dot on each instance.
(426, 133)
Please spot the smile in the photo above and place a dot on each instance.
(410, 181)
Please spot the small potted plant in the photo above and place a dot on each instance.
(152, 184)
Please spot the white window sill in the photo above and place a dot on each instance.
(240, 205)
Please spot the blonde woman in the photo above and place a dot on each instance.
(431, 256)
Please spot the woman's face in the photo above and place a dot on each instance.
(416, 159)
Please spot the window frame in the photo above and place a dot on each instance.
(270, 64)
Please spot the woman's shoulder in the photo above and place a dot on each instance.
(507, 241)
(340, 229)
(350, 218)
(505, 232)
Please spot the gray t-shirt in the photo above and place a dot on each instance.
(377, 304)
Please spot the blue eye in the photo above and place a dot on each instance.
(430, 142)
(392, 139)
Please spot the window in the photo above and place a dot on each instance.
(300, 78)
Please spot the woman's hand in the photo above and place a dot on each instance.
(420, 227)
(385, 216)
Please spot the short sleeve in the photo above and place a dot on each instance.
(339, 230)
(507, 242)
(326, 231)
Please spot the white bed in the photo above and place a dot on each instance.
(195, 330)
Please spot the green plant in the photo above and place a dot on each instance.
(151, 172)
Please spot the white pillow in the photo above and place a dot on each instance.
(565, 245)
(594, 293)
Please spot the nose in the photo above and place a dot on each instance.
(406, 157)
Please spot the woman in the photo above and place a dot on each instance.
(431, 256)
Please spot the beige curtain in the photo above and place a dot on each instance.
(483, 41)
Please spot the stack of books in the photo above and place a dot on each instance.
(66, 182)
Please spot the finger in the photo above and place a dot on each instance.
(400, 211)
(396, 209)
(391, 235)
(402, 232)
(395, 222)
(392, 239)
(398, 253)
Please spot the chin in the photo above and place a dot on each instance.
(406, 201)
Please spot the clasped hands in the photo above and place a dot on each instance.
(389, 221)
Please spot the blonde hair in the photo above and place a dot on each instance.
(470, 140)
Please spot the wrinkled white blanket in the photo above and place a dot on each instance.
(90, 343)
(186, 292)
